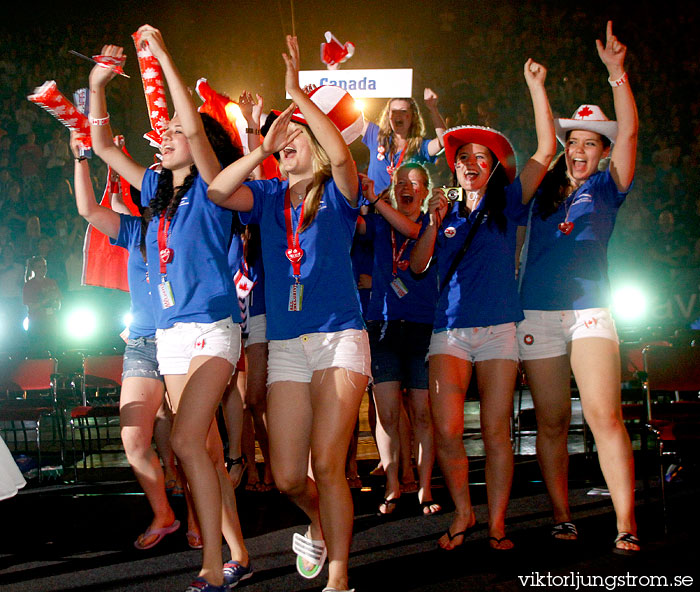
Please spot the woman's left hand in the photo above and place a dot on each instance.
(291, 60)
(534, 73)
(430, 98)
(612, 54)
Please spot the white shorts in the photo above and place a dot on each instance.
(297, 359)
(476, 344)
(257, 327)
(177, 345)
(546, 333)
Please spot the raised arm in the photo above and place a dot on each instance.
(227, 189)
(424, 248)
(252, 111)
(100, 130)
(342, 164)
(203, 154)
(431, 99)
(623, 158)
(105, 220)
(403, 224)
(536, 167)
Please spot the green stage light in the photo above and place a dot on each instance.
(81, 323)
(629, 303)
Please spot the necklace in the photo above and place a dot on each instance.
(566, 226)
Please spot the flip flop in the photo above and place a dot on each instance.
(311, 551)
(196, 537)
(390, 506)
(158, 532)
(568, 528)
(429, 504)
(627, 537)
(498, 542)
(451, 537)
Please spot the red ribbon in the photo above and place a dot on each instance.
(166, 254)
(294, 252)
(397, 256)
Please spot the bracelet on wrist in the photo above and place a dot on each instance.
(80, 158)
(253, 130)
(620, 81)
(99, 121)
(375, 201)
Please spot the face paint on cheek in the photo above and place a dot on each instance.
(484, 165)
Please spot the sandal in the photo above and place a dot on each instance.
(194, 540)
(234, 463)
(451, 537)
(497, 542)
(627, 537)
(389, 504)
(429, 505)
(159, 533)
(564, 528)
(311, 551)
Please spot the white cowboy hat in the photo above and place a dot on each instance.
(589, 118)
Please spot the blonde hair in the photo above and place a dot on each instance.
(321, 174)
(412, 166)
(416, 132)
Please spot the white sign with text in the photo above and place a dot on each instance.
(363, 84)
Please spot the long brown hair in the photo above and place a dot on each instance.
(321, 174)
(416, 132)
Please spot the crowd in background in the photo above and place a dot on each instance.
(657, 233)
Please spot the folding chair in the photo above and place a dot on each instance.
(670, 371)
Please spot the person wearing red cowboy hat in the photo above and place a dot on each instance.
(565, 293)
(478, 305)
(318, 366)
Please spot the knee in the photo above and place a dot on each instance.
(288, 482)
(553, 427)
(136, 443)
(184, 446)
(605, 422)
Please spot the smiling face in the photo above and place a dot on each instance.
(473, 165)
(400, 116)
(410, 190)
(175, 147)
(584, 150)
(296, 158)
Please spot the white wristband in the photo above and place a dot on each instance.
(99, 121)
(620, 81)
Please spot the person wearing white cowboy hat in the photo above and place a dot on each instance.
(565, 294)
(319, 363)
(478, 304)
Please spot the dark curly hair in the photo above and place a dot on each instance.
(166, 200)
(495, 196)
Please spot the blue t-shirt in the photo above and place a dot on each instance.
(330, 301)
(418, 305)
(570, 272)
(199, 273)
(362, 256)
(483, 290)
(142, 313)
(254, 272)
(377, 166)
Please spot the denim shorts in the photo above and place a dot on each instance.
(140, 359)
(399, 350)
(477, 344)
(298, 358)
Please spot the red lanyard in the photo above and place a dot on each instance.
(391, 168)
(294, 252)
(397, 256)
(166, 254)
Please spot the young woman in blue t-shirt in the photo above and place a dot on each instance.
(318, 365)
(198, 343)
(478, 305)
(565, 293)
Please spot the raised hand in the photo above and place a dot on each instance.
(612, 54)
(534, 73)
(251, 108)
(280, 135)
(75, 145)
(291, 60)
(368, 188)
(153, 39)
(101, 75)
(430, 98)
(438, 203)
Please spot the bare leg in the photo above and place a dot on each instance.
(596, 366)
(256, 401)
(408, 478)
(196, 399)
(336, 394)
(496, 380)
(550, 386)
(161, 434)
(419, 407)
(232, 404)
(449, 377)
(387, 396)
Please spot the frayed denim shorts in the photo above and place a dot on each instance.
(140, 359)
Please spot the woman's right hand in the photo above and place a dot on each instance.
(438, 202)
(280, 135)
(251, 108)
(368, 188)
(291, 60)
(74, 145)
(101, 75)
